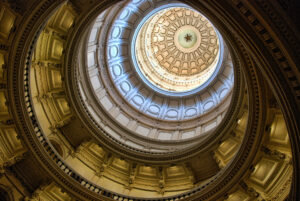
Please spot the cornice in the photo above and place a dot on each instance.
(134, 154)
(67, 169)
(27, 124)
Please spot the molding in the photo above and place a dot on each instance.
(262, 54)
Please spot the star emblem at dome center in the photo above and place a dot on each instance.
(188, 37)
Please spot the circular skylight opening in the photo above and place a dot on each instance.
(176, 50)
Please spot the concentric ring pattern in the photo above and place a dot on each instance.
(139, 100)
(177, 49)
(127, 95)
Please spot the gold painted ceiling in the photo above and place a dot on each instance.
(177, 49)
(72, 106)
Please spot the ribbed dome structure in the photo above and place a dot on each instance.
(176, 49)
(128, 94)
(141, 100)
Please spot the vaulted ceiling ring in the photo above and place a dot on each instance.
(65, 108)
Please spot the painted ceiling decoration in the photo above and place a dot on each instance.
(128, 95)
(177, 49)
(141, 100)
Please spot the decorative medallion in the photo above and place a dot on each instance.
(177, 49)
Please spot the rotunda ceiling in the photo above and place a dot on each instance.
(177, 49)
(102, 131)
(118, 97)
